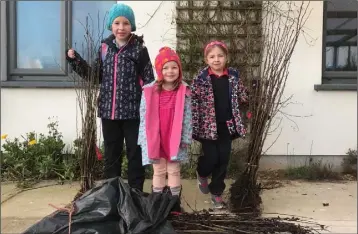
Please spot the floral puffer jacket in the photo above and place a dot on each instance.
(203, 106)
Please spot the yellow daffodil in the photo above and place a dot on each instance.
(32, 142)
(4, 136)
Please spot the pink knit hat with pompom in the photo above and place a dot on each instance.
(166, 55)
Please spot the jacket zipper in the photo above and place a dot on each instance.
(115, 79)
(114, 85)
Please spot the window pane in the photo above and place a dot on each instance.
(91, 15)
(342, 57)
(341, 35)
(329, 58)
(38, 25)
(354, 57)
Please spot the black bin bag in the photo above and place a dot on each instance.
(112, 207)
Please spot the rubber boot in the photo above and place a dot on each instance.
(177, 207)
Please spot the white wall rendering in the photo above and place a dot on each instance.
(330, 127)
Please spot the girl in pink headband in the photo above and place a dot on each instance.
(212, 44)
(217, 93)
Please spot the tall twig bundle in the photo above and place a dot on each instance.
(282, 24)
(87, 89)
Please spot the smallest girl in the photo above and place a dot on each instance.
(165, 130)
(217, 97)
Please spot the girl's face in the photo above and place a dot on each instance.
(121, 28)
(170, 72)
(216, 59)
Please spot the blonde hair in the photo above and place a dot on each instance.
(159, 84)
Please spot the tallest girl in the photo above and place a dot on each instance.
(123, 65)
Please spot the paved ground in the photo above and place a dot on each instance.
(294, 198)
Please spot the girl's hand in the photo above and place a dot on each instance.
(71, 53)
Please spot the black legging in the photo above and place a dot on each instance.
(215, 160)
(114, 133)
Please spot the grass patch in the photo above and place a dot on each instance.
(314, 171)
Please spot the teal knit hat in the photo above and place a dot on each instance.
(118, 10)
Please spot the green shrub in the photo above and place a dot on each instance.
(349, 163)
(35, 157)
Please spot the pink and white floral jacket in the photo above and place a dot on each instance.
(203, 106)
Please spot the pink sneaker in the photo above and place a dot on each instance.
(202, 184)
(217, 202)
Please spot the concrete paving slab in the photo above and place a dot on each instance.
(294, 199)
(8, 190)
(331, 204)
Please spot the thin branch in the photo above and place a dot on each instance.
(268, 148)
(152, 15)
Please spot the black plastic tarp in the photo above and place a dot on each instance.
(112, 207)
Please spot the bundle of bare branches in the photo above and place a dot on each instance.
(282, 25)
(87, 89)
(205, 222)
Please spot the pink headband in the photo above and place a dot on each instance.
(214, 43)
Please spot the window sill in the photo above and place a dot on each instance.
(335, 87)
(39, 84)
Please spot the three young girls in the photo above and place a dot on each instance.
(159, 122)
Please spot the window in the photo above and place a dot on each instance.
(39, 32)
(340, 42)
(97, 12)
